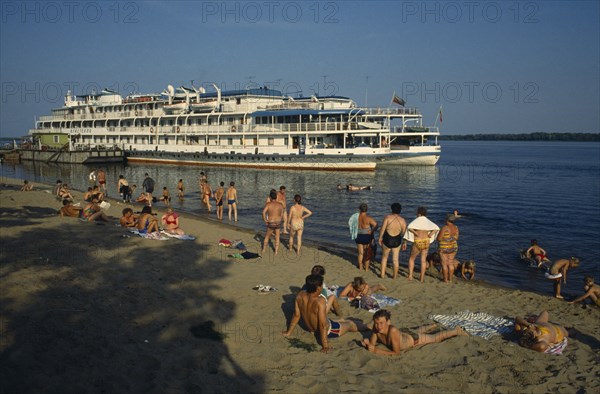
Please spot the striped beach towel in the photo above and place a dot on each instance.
(479, 324)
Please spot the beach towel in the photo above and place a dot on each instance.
(353, 225)
(184, 237)
(155, 235)
(238, 244)
(385, 301)
(558, 348)
(421, 223)
(224, 242)
(479, 324)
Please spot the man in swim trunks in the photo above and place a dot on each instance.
(419, 247)
(390, 238)
(272, 215)
(180, 189)
(282, 199)
(537, 253)
(405, 338)
(219, 193)
(102, 180)
(206, 193)
(232, 201)
(312, 308)
(148, 186)
(539, 334)
(558, 273)
(592, 291)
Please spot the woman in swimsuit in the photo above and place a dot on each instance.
(296, 218)
(171, 222)
(448, 246)
(390, 238)
(538, 334)
(147, 223)
(366, 230)
(359, 288)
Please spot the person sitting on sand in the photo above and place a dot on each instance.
(27, 187)
(467, 269)
(87, 196)
(170, 221)
(64, 193)
(332, 301)
(92, 212)
(404, 338)
(592, 291)
(359, 288)
(69, 210)
(57, 187)
(147, 223)
(312, 308)
(538, 334)
(537, 253)
(558, 272)
(128, 220)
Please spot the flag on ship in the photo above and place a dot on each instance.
(440, 114)
(398, 100)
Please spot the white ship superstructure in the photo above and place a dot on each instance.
(251, 127)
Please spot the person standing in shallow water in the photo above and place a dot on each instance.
(366, 231)
(448, 247)
(232, 201)
(296, 218)
(272, 215)
(390, 238)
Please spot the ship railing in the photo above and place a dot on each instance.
(391, 111)
(426, 130)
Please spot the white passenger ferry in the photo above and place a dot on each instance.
(249, 128)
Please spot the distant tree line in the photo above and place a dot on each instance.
(524, 137)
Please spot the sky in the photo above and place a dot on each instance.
(491, 66)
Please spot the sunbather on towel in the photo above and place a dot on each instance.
(311, 307)
(171, 222)
(147, 223)
(404, 338)
(539, 334)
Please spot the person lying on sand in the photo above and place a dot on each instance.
(69, 210)
(311, 306)
(539, 334)
(92, 212)
(358, 288)
(592, 291)
(403, 338)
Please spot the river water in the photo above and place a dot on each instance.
(508, 193)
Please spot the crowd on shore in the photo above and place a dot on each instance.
(314, 302)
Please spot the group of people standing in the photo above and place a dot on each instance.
(394, 236)
(275, 215)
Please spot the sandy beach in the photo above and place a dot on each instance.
(86, 310)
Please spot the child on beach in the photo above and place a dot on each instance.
(404, 338)
(558, 272)
(27, 187)
(180, 189)
(166, 196)
(359, 288)
(467, 269)
(592, 291)
(537, 253)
